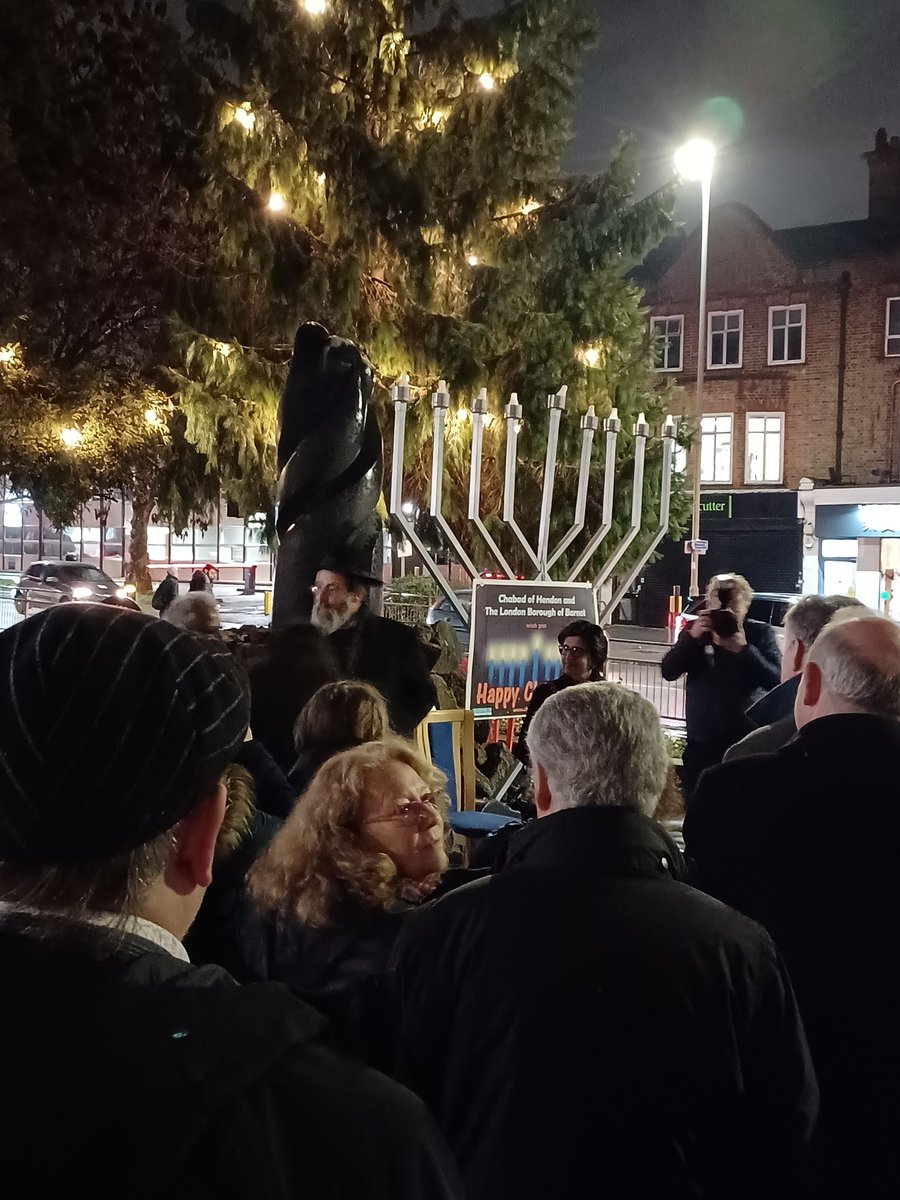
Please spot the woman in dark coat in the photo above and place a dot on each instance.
(365, 847)
(584, 649)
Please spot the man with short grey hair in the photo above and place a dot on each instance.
(584, 1020)
(805, 841)
(773, 715)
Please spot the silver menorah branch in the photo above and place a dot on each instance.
(541, 557)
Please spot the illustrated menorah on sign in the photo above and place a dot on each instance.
(542, 557)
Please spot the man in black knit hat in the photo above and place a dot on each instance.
(126, 1070)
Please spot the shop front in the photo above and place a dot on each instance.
(852, 544)
(757, 533)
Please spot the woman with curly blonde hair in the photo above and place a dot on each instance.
(365, 846)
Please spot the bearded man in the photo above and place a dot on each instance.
(382, 652)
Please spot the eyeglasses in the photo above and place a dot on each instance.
(328, 591)
(411, 813)
(575, 651)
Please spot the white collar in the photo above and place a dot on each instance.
(139, 926)
(142, 928)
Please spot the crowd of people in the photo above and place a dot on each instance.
(243, 957)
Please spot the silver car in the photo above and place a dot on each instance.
(47, 583)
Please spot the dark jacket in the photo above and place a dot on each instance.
(165, 594)
(805, 841)
(342, 970)
(305, 767)
(228, 931)
(773, 717)
(541, 693)
(721, 685)
(583, 1021)
(127, 1072)
(391, 657)
(274, 794)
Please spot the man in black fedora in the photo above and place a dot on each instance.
(376, 649)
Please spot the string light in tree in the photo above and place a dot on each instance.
(591, 356)
(315, 8)
(224, 348)
(151, 416)
(9, 354)
(71, 438)
(321, 179)
(530, 206)
(245, 117)
(277, 202)
(438, 117)
(472, 260)
(486, 81)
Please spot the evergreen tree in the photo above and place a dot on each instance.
(393, 170)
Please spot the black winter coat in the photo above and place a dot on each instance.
(128, 1073)
(582, 1023)
(274, 794)
(806, 841)
(228, 931)
(391, 657)
(721, 685)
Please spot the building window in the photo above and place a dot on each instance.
(726, 339)
(787, 334)
(892, 327)
(765, 448)
(667, 334)
(715, 448)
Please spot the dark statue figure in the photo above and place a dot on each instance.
(330, 468)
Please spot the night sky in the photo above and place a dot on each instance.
(805, 82)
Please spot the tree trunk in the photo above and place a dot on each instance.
(138, 571)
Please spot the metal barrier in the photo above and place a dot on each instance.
(666, 696)
(407, 612)
(8, 614)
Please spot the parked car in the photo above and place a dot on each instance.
(46, 583)
(443, 610)
(768, 607)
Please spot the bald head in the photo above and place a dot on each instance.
(854, 667)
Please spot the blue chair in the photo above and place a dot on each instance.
(447, 739)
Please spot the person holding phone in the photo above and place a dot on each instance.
(729, 662)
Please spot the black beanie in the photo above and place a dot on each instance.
(110, 724)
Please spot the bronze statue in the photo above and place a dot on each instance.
(330, 467)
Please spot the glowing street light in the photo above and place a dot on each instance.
(277, 202)
(70, 437)
(694, 161)
(591, 356)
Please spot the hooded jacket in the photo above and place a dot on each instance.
(129, 1073)
(582, 1022)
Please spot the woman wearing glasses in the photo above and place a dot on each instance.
(583, 650)
(365, 847)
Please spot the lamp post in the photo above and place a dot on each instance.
(694, 161)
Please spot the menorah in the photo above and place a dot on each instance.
(541, 557)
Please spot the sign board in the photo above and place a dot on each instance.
(700, 545)
(513, 640)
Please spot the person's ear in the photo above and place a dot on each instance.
(808, 693)
(191, 865)
(357, 594)
(542, 798)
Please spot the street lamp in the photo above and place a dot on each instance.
(694, 161)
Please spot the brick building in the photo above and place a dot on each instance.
(802, 388)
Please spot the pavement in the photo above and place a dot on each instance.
(236, 609)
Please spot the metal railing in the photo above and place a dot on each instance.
(8, 614)
(407, 611)
(666, 696)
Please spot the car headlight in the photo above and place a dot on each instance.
(129, 589)
(81, 593)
